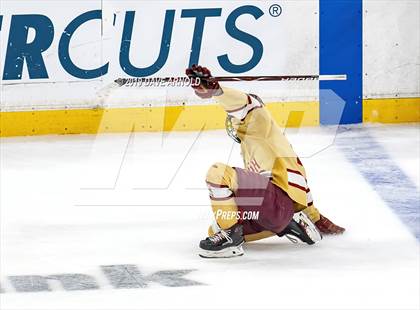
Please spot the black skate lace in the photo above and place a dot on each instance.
(220, 236)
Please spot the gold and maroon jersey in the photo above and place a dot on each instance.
(264, 147)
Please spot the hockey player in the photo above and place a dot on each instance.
(271, 195)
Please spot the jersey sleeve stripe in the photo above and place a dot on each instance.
(294, 171)
(297, 186)
(297, 178)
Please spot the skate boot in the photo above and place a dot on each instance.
(301, 229)
(224, 243)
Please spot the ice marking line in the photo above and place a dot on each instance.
(387, 179)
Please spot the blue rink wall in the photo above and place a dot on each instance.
(341, 40)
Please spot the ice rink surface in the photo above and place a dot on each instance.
(113, 222)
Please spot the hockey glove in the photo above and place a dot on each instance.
(326, 227)
(208, 86)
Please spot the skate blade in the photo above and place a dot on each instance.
(225, 253)
(309, 226)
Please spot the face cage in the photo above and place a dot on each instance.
(230, 130)
(228, 122)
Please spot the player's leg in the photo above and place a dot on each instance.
(227, 238)
(300, 228)
(250, 233)
(276, 211)
(235, 191)
(272, 207)
(222, 182)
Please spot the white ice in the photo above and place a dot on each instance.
(70, 204)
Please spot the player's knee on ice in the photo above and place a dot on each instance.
(222, 176)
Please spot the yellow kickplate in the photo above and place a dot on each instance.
(173, 118)
(396, 110)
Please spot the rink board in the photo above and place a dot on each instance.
(186, 118)
(391, 110)
(54, 97)
(178, 118)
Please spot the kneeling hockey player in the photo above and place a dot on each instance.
(271, 195)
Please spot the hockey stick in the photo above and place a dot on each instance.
(105, 92)
(340, 77)
(153, 81)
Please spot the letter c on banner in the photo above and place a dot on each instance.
(64, 45)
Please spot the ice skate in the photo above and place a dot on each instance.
(225, 243)
(301, 229)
